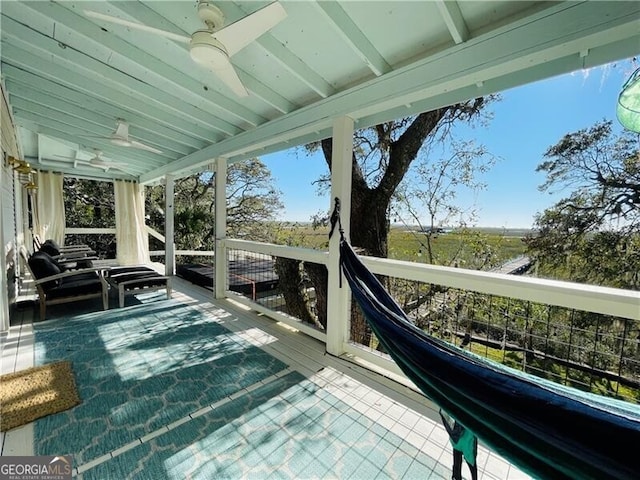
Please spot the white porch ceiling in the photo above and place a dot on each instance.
(68, 76)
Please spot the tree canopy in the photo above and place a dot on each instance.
(382, 156)
(252, 202)
(427, 201)
(592, 235)
(91, 204)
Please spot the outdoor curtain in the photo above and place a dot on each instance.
(131, 235)
(48, 214)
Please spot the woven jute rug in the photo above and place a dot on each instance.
(35, 393)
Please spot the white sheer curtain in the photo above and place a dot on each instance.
(131, 235)
(49, 219)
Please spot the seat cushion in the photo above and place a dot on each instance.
(84, 264)
(50, 249)
(144, 278)
(42, 266)
(146, 281)
(76, 285)
(112, 272)
(53, 244)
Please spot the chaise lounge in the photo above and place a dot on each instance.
(56, 285)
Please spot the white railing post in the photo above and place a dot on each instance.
(169, 246)
(338, 299)
(220, 258)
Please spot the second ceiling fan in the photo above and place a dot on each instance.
(121, 138)
(212, 46)
(97, 161)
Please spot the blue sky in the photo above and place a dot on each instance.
(526, 122)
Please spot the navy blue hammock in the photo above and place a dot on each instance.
(546, 429)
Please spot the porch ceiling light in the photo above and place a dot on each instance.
(23, 167)
(628, 110)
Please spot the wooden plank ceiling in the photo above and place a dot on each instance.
(70, 76)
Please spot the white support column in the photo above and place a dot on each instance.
(338, 301)
(4, 300)
(169, 219)
(23, 233)
(220, 258)
(22, 206)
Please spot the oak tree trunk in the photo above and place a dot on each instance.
(369, 226)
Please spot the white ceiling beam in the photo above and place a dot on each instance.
(605, 47)
(452, 16)
(357, 40)
(75, 131)
(283, 55)
(40, 86)
(45, 47)
(85, 90)
(82, 171)
(63, 166)
(111, 153)
(56, 70)
(570, 28)
(169, 78)
(20, 92)
(296, 67)
(258, 89)
(598, 56)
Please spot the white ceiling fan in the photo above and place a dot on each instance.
(97, 161)
(121, 138)
(212, 46)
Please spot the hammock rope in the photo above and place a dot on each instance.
(546, 429)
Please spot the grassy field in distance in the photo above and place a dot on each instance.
(405, 242)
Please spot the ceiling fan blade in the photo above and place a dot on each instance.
(101, 137)
(225, 72)
(136, 25)
(104, 162)
(67, 158)
(241, 33)
(143, 146)
(78, 162)
(90, 162)
(108, 165)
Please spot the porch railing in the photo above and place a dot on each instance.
(580, 335)
(247, 264)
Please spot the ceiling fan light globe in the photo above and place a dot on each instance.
(206, 50)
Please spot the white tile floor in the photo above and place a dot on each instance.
(386, 403)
